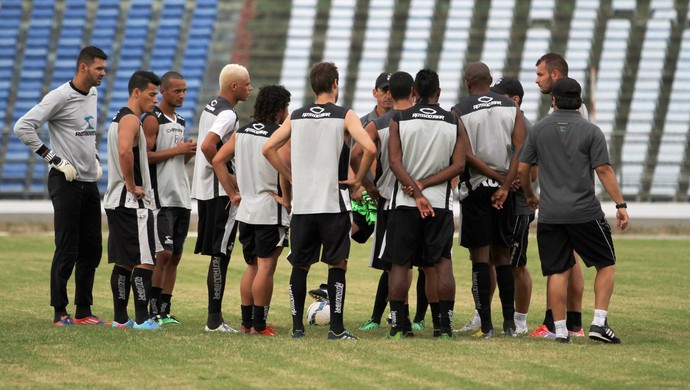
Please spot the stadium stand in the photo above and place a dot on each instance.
(615, 48)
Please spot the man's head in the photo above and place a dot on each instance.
(323, 78)
(91, 65)
(477, 77)
(271, 104)
(551, 67)
(566, 94)
(401, 85)
(510, 87)
(173, 89)
(426, 86)
(380, 92)
(143, 90)
(234, 82)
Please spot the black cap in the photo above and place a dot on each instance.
(510, 86)
(382, 80)
(567, 88)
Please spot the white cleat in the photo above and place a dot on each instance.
(222, 328)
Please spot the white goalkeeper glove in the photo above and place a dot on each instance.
(61, 165)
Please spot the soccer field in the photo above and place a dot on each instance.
(649, 312)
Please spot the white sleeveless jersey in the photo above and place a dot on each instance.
(116, 195)
(320, 159)
(169, 177)
(220, 118)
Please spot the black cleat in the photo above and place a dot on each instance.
(321, 293)
(603, 333)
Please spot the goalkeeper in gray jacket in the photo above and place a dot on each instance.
(71, 111)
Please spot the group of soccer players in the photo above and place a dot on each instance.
(297, 172)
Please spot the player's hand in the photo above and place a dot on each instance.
(235, 199)
(353, 184)
(138, 192)
(283, 201)
(516, 184)
(357, 195)
(498, 198)
(99, 170)
(533, 202)
(424, 206)
(65, 167)
(622, 218)
(187, 147)
(409, 190)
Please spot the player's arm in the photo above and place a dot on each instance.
(285, 186)
(126, 139)
(356, 159)
(192, 152)
(456, 167)
(270, 150)
(208, 147)
(150, 125)
(473, 161)
(354, 127)
(220, 166)
(524, 173)
(607, 177)
(517, 139)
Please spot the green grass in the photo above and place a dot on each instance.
(649, 311)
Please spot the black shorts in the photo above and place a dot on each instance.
(308, 232)
(591, 240)
(365, 230)
(419, 241)
(378, 257)
(172, 226)
(131, 238)
(217, 227)
(520, 238)
(261, 240)
(482, 224)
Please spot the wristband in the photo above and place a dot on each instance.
(622, 205)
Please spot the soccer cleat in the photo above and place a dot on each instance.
(345, 335)
(509, 332)
(65, 320)
(482, 335)
(603, 333)
(269, 331)
(470, 326)
(90, 320)
(127, 324)
(369, 325)
(521, 332)
(418, 325)
(563, 340)
(446, 336)
(167, 320)
(579, 333)
(544, 332)
(245, 330)
(222, 328)
(399, 335)
(321, 293)
(149, 324)
(297, 334)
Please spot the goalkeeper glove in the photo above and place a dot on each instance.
(61, 165)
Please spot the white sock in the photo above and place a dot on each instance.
(561, 330)
(599, 317)
(477, 320)
(520, 320)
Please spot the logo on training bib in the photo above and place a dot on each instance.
(316, 112)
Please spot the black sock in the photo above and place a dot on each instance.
(435, 314)
(397, 316)
(82, 311)
(481, 291)
(446, 316)
(120, 284)
(298, 292)
(506, 291)
(247, 315)
(141, 286)
(381, 300)
(422, 302)
(406, 317)
(166, 302)
(573, 321)
(155, 301)
(336, 296)
(548, 321)
(215, 283)
(259, 313)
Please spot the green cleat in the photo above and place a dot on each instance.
(369, 325)
(418, 325)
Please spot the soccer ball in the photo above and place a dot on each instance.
(319, 313)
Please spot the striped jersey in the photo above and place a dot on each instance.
(116, 195)
(489, 120)
(169, 177)
(256, 177)
(71, 115)
(219, 117)
(428, 135)
(320, 159)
